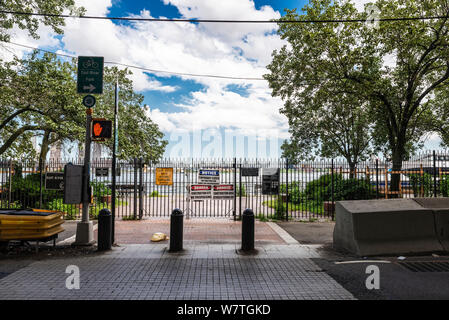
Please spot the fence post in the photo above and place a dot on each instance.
(386, 182)
(10, 184)
(377, 178)
(235, 188)
(240, 191)
(135, 189)
(41, 166)
(434, 175)
(332, 189)
(140, 188)
(421, 174)
(286, 188)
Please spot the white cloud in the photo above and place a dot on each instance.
(238, 50)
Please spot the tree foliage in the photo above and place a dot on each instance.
(392, 71)
(39, 96)
(31, 23)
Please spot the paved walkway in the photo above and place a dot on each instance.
(202, 271)
(206, 230)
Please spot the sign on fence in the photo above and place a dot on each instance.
(164, 176)
(101, 172)
(54, 181)
(250, 172)
(270, 181)
(223, 192)
(200, 191)
(209, 176)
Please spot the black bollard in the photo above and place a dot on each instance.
(176, 230)
(104, 230)
(248, 230)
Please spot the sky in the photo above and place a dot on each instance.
(200, 116)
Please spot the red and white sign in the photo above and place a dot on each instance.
(224, 192)
(200, 191)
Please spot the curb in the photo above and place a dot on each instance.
(282, 233)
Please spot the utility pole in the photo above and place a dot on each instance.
(84, 229)
(114, 161)
(89, 81)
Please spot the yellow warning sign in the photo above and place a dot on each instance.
(164, 176)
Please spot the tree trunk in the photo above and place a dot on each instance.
(352, 166)
(44, 150)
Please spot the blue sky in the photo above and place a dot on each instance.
(200, 116)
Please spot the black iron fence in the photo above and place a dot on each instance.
(274, 189)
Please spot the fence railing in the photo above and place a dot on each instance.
(305, 189)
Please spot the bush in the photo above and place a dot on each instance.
(25, 191)
(321, 188)
(354, 189)
(238, 191)
(444, 186)
(424, 182)
(279, 209)
(100, 190)
(70, 211)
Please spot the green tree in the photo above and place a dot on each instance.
(394, 69)
(40, 96)
(31, 23)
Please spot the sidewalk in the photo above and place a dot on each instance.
(202, 271)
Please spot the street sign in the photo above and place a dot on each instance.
(90, 75)
(89, 101)
(209, 176)
(101, 172)
(250, 172)
(54, 181)
(200, 191)
(101, 129)
(223, 192)
(270, 181)
(164, 176)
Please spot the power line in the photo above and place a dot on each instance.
(143, 68)
(218, 20)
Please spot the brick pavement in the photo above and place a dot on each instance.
(202, 271)
(196, 229)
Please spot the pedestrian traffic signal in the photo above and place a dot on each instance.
(101, 129)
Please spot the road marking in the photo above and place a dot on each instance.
(282, 233)
(362, 261)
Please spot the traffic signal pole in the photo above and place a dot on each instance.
(84, 228)
(114, 162)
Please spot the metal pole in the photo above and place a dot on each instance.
(286, 188)
(240, 192)
(84, 230)
(332, 189)
(434, 175)
(235, 188)
(377, 178)
(135, 189)
(114, 163)
(140, 188)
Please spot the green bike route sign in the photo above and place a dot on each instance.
(90, 75)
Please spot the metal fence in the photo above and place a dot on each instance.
(306, 189)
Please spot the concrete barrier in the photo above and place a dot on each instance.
(440, 208)
(384, 227)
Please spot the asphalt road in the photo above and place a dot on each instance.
(396, 281)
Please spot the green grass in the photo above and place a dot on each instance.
(309, 206)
